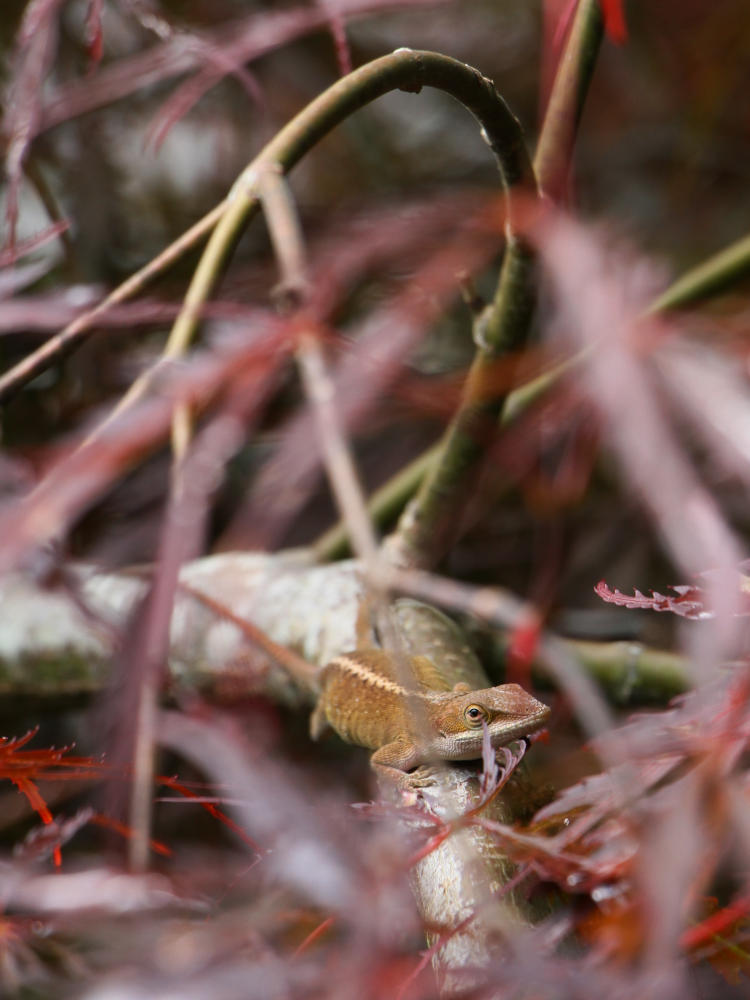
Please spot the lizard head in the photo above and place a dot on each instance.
(507, 710)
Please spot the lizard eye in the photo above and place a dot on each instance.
(475, 715)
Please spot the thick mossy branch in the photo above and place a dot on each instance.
(49, 648)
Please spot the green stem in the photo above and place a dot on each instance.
(384, 505)
(428, 523)
(712, 276)
(566, 101)
(630, 672)
(403, 69)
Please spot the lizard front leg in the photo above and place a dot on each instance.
(396, 760)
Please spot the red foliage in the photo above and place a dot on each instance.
(318, 902)
(25, 768)
(522, 649)
(94, 33)
(690, 601)
(614, 20)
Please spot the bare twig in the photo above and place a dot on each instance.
(288, 243)
(302, 671)
(54, 349)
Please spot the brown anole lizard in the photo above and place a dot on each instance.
(362, 696)
(362, 699)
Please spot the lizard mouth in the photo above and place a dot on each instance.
(524, 725)
(538, 721)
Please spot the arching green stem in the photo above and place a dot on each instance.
(404, 69)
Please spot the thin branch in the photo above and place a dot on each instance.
(707, 278)
(336, 451)
(285, 230)
(288, 243)
(78, 330)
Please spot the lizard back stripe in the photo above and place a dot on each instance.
(350, 664)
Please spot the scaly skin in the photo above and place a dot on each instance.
(364, 701)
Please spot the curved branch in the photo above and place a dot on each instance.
(404, 69)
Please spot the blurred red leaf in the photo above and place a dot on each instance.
(94, 33)
(25, 767)
(35, 48)
(337, 26)
(212, 809)
(239, 43)
(723, 922)
(314, 934)
(524, 640)
(49, 764)
(37, 803)
(614, 20)
(110, 823)
(14, 253)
